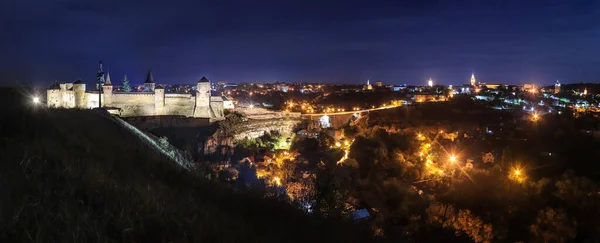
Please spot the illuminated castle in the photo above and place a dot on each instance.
(150, 102)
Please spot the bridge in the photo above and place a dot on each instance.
(338, 119)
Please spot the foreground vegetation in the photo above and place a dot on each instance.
(435, 173)
(77, 176)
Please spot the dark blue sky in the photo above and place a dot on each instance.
(317, 41)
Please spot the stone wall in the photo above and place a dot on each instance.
(256, 128)
(121, 99)
(151, 122)
(262, 113)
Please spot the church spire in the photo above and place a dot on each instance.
(149, 78)
(473, 81)
(107, 81)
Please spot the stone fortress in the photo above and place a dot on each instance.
(152, 101)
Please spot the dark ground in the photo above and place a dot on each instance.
(76, 176)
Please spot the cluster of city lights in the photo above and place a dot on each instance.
(452, 161)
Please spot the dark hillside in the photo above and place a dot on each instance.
(78, 176)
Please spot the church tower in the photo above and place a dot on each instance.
(473, 81)
(149, 83)
(557, 87)
(107, 89)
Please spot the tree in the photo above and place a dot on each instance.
(554, 225)
(126, 87)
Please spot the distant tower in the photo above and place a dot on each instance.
(107, 89)
(80, 97)
(368, 85)
(430, 83)
(557, 87)
(202, 108)
(100, 76)
(473, 81)
(149, 83)
(585, 91)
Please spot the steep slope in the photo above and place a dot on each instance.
(78, 176)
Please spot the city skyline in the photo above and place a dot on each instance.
(409, 42)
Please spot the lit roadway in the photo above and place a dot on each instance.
(350, 112)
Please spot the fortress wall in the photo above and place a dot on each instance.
(217, 108)
(135, 110)
(132, 99)
(178, 95)
(179, 100)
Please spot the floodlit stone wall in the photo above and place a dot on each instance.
(70, 95)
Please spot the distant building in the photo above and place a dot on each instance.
(368, 86)
(492, 86)
(379, 84)
(557, 87)
(398, 87)
(151, 102)
(430, 82)
(529, 87)
(473, 81)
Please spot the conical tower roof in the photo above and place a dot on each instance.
(203, 80)
(149, 78)
(107, 81)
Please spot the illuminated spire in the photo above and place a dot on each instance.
(368, 82)
(107, 82)
(473, 81)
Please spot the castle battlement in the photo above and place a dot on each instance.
(154, 101)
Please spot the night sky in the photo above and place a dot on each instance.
(315, 41)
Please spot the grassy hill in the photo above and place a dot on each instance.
(78, 176)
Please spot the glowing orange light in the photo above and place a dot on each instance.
(452, 159)
(337, 144)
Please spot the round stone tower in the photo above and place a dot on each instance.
(79, 91)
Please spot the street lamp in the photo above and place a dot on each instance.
(452, 159)
(36, 100)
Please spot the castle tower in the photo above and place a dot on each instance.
(107, 90)
(159, 100)
(473, 81)
(149, 83)
(54, 95)
(80, 97)
(557, 87)
(202, 108)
